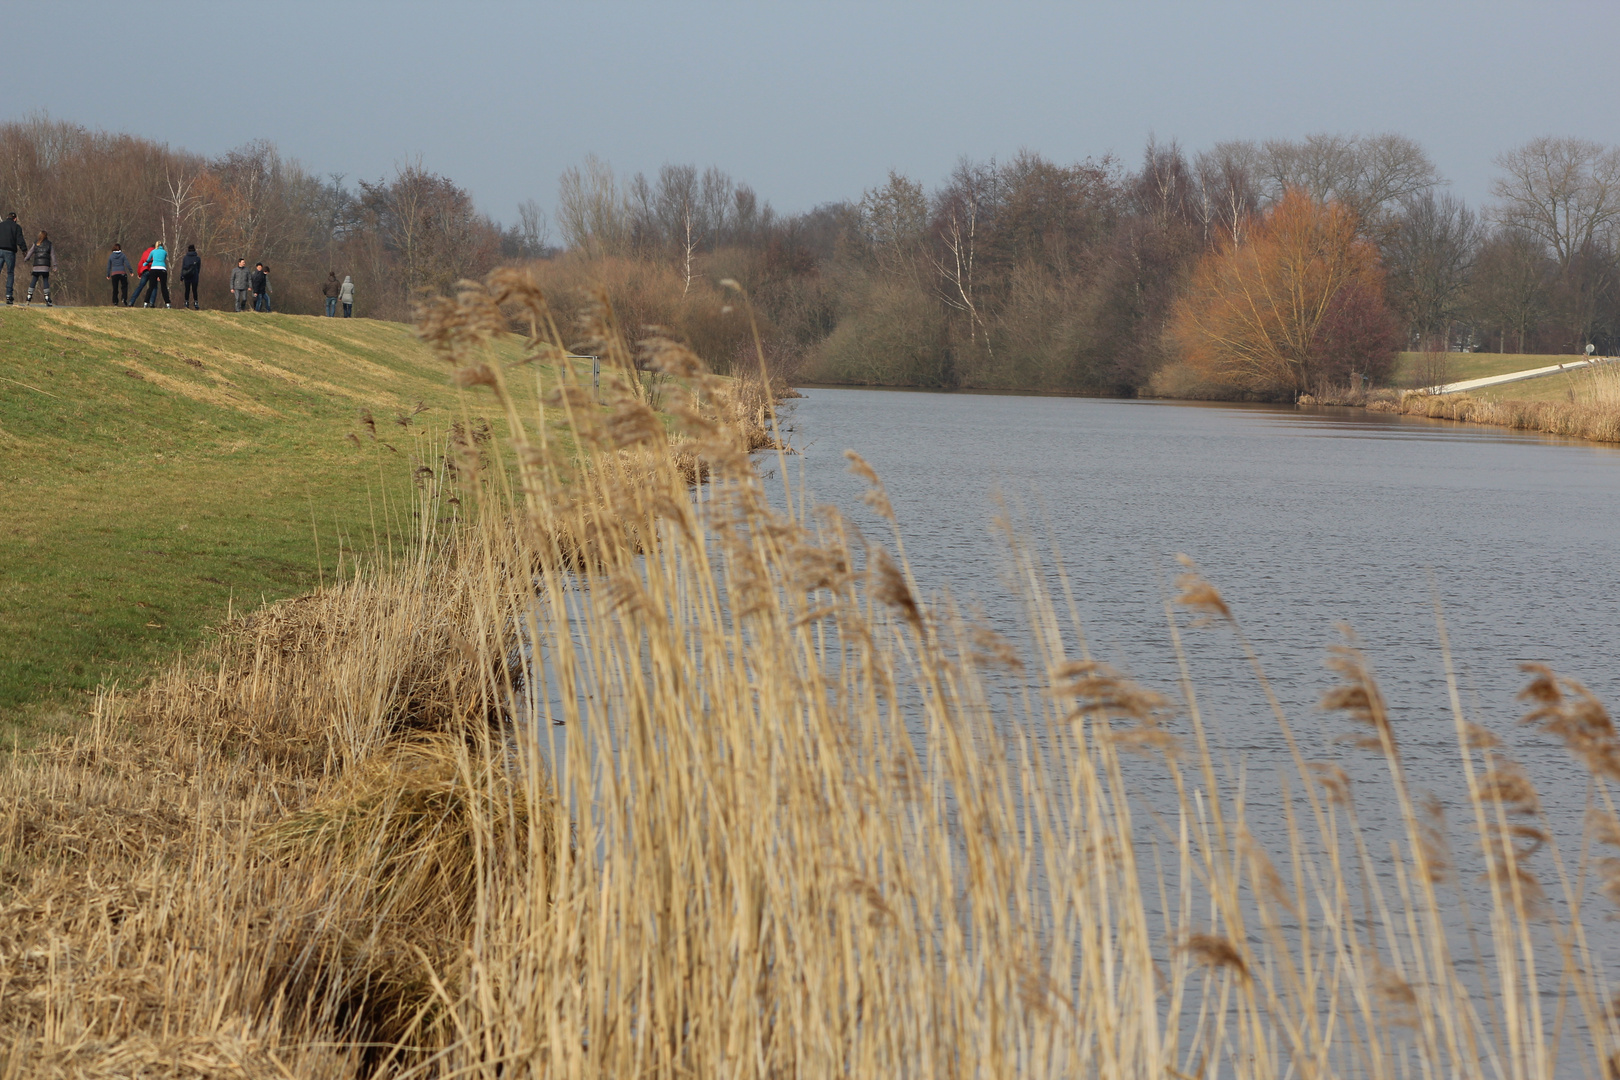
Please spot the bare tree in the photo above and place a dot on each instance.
(534, 228)
(1510, 280)
(894, 218)
(1166, 189)
(960, 209)
(1564, 191)
(591, 210)
(182, 204)
(1370, 174)
(430, 227)
(1227, 195)
(680, 215)
(1429, 257)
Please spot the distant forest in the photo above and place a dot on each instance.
(1259, 269)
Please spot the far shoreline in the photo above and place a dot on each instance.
(1573, 423)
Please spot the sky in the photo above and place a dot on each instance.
(810, 103)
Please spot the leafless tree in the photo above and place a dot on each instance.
(894, 218)
(1510, 280)
(1227, 195)
(591, 209)
(534, 229)
(960, 208)
(679, 213)
(1429, 257)
(1371, 174)
(1166, 189)
(1565, 191)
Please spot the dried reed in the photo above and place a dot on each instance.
(731, 798)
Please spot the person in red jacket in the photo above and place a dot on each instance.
(144, 269)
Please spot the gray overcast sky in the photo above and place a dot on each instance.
(810, 102)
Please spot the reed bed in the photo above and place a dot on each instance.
(1596, 418)
(730, 797)
(1592, 413)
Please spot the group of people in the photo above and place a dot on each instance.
(153, 273)
(338, 293)
(250, 287)
(41, 256)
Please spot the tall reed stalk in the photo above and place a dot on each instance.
(634, 776)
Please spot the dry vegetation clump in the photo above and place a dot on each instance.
(1377, 399)
(255, 863)
(1595, 419)
(733, 797)
(641, 294)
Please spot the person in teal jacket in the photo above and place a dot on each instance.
(160, 275)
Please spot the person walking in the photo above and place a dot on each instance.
(330, 290)
(346, 295)
(42, 258)
(241, 283)
(264, 297)
(160, 275)
(144, 269)
(190, 274)
(259, 284)
(12, 241)
(118, 271)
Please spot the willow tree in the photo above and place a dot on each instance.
(1270, 314)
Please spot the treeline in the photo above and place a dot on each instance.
(395, 235)
(1037, 275)
(1089, 277)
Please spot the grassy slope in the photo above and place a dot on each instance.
(1570, 386)
(158, 466)
(1464, 366)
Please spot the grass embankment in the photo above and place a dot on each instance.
(1411, 368)
(159, 467)
(803, 829)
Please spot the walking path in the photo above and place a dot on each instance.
(1516, 376)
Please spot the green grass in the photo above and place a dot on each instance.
(1572, 386)
(1462, 366)
(159, 467)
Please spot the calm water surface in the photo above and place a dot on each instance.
(1304, 521)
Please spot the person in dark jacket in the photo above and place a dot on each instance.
(42, 257)
(118, 271)
(241, 281)
(260, 283)
(12, 242)
(190, 274)
(330, 290)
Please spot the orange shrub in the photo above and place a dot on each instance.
(1295, 303)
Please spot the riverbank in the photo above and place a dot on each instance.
(663, 786)
(1581, 403)
(162, 468)
(1591, 421)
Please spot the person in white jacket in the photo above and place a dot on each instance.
(346, 296)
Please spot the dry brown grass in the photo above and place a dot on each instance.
(803, 836)
(1596, 419)
(1370, 398)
